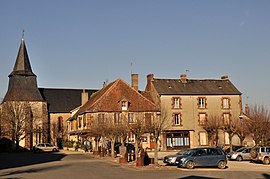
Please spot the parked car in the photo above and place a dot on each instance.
(234, 148)
(45, 147)
(240, 154)
(260, 154)
(203, 157)
(171, 159)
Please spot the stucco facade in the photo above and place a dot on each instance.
(187, 104)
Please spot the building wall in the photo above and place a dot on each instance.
(189, 112)
(58, 127)
(39, 125)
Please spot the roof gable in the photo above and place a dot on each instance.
(109, 99)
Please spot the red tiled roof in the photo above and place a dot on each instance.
(109, 98)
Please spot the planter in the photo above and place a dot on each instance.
(152, 160)
(140, 162)
(123, 160)
(101, 154)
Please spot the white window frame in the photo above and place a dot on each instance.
(124, 105)
(203, 138)
(202, 102)
(202, 118)
(131, 118)
(225, 103)
(176, 103)
(177, 119)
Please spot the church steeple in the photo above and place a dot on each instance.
(22, 65)
(22, 81)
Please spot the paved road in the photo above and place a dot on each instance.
(75, 165)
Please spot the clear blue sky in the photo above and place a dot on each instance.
(81, 44)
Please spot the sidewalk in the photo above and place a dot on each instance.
(161, 155)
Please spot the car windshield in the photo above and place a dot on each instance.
(241, 149)
(185, 152)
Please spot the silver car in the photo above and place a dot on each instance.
(171, 159)
(240, 154)
(45, 147)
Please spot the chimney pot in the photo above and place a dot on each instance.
(135, 81)
(150, 78)
(224, 77)
(84, 96)
(183, 78)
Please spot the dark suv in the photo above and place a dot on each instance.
(260, 154)
(202, 157)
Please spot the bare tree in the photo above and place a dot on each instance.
(158, 125)
(19, 119)
(211, 126)
(231, 128)
(137, 127)
(259, 124)
(242, 129)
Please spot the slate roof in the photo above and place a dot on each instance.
(22, 81)
(195, 87)
(63, 100)
(22, 65)
(109, 98)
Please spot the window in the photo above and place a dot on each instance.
(178, 139)
(177, 119)
(60, 123)
(144, 139)
(226, 118)
(101, 118)
(84, 121)
(175, 103)
(225, 103)
(117, 118)
(203, 138)
(131, 137)
(202, 118)
(201, 102)
(226, 138)
(79, 121)
(148, 119)
(131, 118)
(124, 105)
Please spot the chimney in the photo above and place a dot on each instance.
(150, 78)
(247, 109)
(183, 78)
(84, 97)
(224, 77)
(135, 81)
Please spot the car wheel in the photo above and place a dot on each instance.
(54, 150)
(190, 165)
(221, 164)
(239, 158)
(266, 161)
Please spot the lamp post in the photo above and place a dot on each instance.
(242, 129)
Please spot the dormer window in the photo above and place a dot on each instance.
(124, 105)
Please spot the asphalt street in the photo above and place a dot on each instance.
(76, 165)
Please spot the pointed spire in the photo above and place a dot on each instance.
(22, 65)
(23, 34)
(22, 81)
